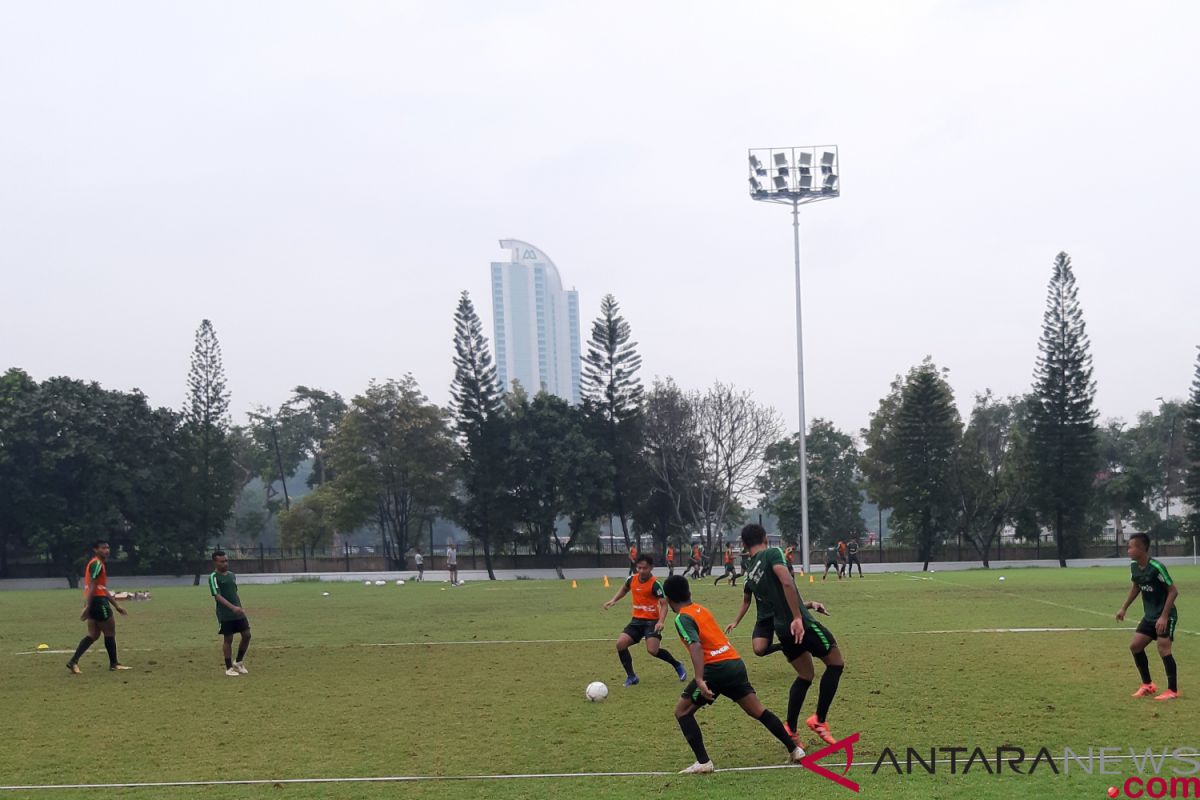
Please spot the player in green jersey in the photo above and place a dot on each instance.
(800, 635)
(223, 585)
(1151, 580)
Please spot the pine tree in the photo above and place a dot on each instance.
(1191, 427)
(611, 387)
(928, 432)
(210, 480)
(478, 411)
(1063, 417)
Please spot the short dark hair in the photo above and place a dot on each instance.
(644, 556)
(753, 534)
(1143, 538)
(217, 554)
(677, 590)
(96, 544)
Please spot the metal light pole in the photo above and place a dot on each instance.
(795, 176)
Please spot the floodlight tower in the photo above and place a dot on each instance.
(795, 176)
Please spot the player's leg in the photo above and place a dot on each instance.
(630, 636)
(93, 633)
(856, 561)
(1141, 638)
(109, 628)
(760, 640)
(685, 715)
(802, 663)
(243, 646)
(1164, 643)
(654, 647)
(227, 649)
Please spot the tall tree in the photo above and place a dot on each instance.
(480, 503)
(211, 473)
(671, 450)
(18, 447)
(1063, 419)
(877, 463)
(1191, 489)
(611, 383)
(834, 500)
(928, 430)
(392, 453)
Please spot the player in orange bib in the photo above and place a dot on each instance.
(633, 554)
(98, 606)
(719, 671)
(670, 559)
(649, 616)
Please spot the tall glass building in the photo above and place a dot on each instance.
(536, 323)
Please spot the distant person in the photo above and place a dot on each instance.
(1159, 616)
(649, 617)
(852, 558)
(222, 584)
(670, 559)
(789, 555)
(98, 605)
(729, 572)
(695, 559)
(745, 558)
(452, 561)
(633, 555)
(831, 560)
(719, 670)
(420, 562)
(843, 559)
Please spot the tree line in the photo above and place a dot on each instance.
(515, 468)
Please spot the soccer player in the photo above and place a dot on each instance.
(223, 585)
(452, 561)
(800, 636)
(98, 605)
(420, 562)
(633, 555)
(649, 617)
(852, 558)
(729, 572)
(789, 555)
(719, 671)
(831, 560)
(745, 559)
(670, 559)
(1160, 616)
(696, 558)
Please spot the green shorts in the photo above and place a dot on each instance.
(726, 678)
(99, 609)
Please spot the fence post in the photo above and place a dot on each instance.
(262, 561)
(346, 546)
(304, 555)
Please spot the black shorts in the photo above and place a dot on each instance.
(726, 678)
(637, 629)
(1147, 628)
(729, 569)
(764, 629)
(232, 626)
(818, 641)
(831, 564)
(99, 609)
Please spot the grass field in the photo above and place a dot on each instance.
(377, 681)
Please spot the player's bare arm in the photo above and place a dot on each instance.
(1133, 593)
(741, 613)
(697, 654)
(793, 600)
(620, 593)
(1165, 619)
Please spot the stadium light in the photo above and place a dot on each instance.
(789, 171)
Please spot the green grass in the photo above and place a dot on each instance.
(318, 703)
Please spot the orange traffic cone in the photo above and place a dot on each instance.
(605, 581)
(574, 585)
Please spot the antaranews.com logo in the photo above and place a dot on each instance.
(1157, 772)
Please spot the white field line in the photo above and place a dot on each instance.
(422, 778)
(612, 639)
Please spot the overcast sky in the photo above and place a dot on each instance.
(321, 180)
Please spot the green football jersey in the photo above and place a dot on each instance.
(226, 586)
(764, 584)
(1153, 581)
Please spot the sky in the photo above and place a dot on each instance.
(322, 180)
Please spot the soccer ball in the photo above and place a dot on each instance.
(367, 583)
(596, 691)
(400, 583)
(324, 594)
(380, 583)
(1001, 577)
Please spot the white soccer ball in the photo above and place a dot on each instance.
(596, 691)
(324, 594)
(381, 583)
(400, 582)
(366, 583)
(1001, 577)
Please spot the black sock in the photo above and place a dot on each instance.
(110, 644)
(626, 661)
(796, 697)
(1169, 665)
(772, 723)
(84, 644)
(229, 663)
(695, 739)
(243, 646)
(829, 686)
(664, 655)
(1143, 665)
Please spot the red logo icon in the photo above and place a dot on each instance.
(809, 762)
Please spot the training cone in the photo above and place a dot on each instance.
(605, 581)
(810, 579)
(574, 585)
